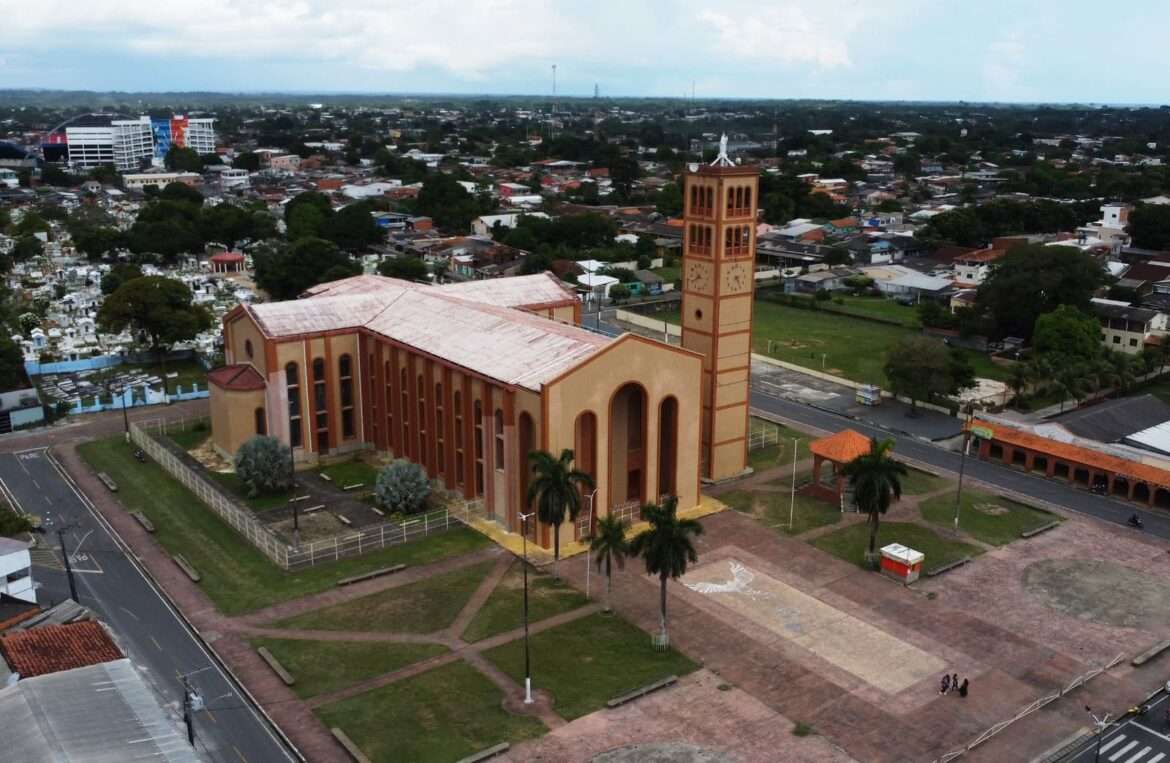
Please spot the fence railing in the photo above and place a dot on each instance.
(285, 555)
(762, 437)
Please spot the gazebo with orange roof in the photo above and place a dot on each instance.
(837, 449)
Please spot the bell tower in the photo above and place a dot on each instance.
(719, 247)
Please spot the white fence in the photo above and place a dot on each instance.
(762, 435)
(291, 557)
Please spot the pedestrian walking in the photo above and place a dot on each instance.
(963, 689)
(946, 683)
(954, 682)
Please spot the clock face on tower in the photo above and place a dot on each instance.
(698, 276)
(736, 277)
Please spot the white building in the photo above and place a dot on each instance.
(16, 570)
(133, 143)
(201, 135)
(8, 178)
(160, 180)
(233, 179)
(90, 145)
(482, 225)
(128, 144)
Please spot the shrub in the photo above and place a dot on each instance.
(618, 292)
(12, 523)
(801, 729)
(823, 295)
(263, 465)
(402, 486)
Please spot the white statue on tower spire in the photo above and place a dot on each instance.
(722, 160)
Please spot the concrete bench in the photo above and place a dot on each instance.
(642, 692)
(371, 575)
(344, 520)
(933, 571)
(186, 567)
(299, 498)
(490, 752)
(311, 509)
(377, 511)
(108, 482)
(277, 668)
(353, 750)
(1150, 653)
(1041, 529)
(354, 486)
(142, 520)
(325, 476)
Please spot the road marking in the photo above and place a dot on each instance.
(1112, 742)
(1151, 731)
(154, 641)
(36, 484)
(1140, 754)
(211, 715)
(1117, 755)
(237, 749)
(1156, 758)
(128, 612)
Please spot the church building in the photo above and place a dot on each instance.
(466, 379)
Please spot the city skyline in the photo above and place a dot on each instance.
(897, 50)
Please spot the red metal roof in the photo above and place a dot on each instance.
(237, 377)
(53, 648)
(227, 257)
(842, 447)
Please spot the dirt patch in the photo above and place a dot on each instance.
(663, 753)
(1099, 591)
(318, 525)
(992, 509)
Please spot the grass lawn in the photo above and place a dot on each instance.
(230, 482)
(919, 483)
(873, 307)
(191, 436)
(772, 509)
(236, 576)
(324, 666)
(986, 517)
(779, 454)
(438, 716)
(669, 274)
(423, 607)
(351, 473)
(589, 661)
(849, 543)
(503, 611)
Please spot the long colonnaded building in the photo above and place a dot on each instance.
(467, 379)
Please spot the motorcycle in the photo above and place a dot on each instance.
(138, 454)
(1135, 521)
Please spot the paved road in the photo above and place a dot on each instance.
(996, 475)
(1141, 738)
(148, 629)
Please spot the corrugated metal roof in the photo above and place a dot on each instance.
(99, 714)
(502, 343)
(518, 291)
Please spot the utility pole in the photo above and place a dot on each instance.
(527, 663)
(292, 492)
(963, 463)
(68, 566)
(187, 719)
(792, 500)
(589, 548)
(1102, 724)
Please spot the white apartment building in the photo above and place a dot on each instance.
(90, 146)
(201, 135)
(9, 178)
(234, 179)
(133, 143)
(16, 570)
(128, 144)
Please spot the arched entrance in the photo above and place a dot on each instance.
(627, 450)
(585, 460)
(1141, 492)
(667, 447)
(1121, 487)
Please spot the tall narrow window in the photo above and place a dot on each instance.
(261, 421)
(389, 403)
(422, 419)
(320, 405)
(345, 382)
(292, 384)
(457, 404)
(478, 420)
(440, 460)
(404, 392)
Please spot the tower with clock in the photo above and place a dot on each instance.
(719, 245)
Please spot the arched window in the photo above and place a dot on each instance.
(457, 404)
(345, 382)
(440, 441)
(421, 391)
(499, 428)
(404, 392)
(388, 392)
(731, 201)
(667, 446)
(248, 348)
(747, 200)
(728, 239)
(261, 421)
(694, 198)
(477, 418)
(292, 384)
(710, 205)
(320, 405)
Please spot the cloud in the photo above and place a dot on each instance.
(1006, 56)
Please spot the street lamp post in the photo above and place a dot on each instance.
(1101, 723)
(527, 663)
(963, 462)
(589, 548)
(292, 491)
(792, 500)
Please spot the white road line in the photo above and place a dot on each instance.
(1140, 754)
(1113, 742)
(184, 625)
(1117, 755)
(1156, 758)
(1145, 728)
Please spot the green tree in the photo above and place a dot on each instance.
(181, 159)
(11, 365)
(1067, 335)
(181, 192)
(306, 215)
(27, 248)
(611, 548)
(447, 203)
(1032, 280)
(94, 241)
(1149, 226)
(922, 368)
(666, 548)
(284, 271)
(352, 228)
(247, 161)
(31, 223)
(405, 267)
(402, 486)
(876, 480)
(158, 307)
(118, 275)
(556, 489)
(264, 465)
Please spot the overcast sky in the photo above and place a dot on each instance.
(1009, 50)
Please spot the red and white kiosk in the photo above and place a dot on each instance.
(901, 562)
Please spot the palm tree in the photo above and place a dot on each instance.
(666, 548)
(611, 547)
(556, 488)
(876, 479)
(1018, 377)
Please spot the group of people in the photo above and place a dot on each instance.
(950, 683)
